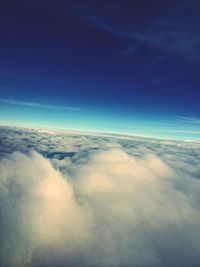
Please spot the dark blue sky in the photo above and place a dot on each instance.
(124, 64)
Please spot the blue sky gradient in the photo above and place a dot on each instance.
(114, 66)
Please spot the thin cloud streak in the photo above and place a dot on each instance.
(38, 105)
(193, 120)
(166, 34)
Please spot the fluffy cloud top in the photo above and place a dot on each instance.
(113, 209)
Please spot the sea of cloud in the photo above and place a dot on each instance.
(71, 199)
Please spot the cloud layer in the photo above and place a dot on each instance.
(114, 206)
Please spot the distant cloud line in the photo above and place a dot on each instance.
(38, 105)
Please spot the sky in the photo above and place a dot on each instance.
(108, 66)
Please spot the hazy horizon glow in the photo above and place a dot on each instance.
(17, 113)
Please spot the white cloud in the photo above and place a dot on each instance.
(38, 210)
(115, 210)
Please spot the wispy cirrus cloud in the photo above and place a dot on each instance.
(38, 105)
(168, 32)
(193, 120)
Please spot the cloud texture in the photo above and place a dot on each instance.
(113, 208)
